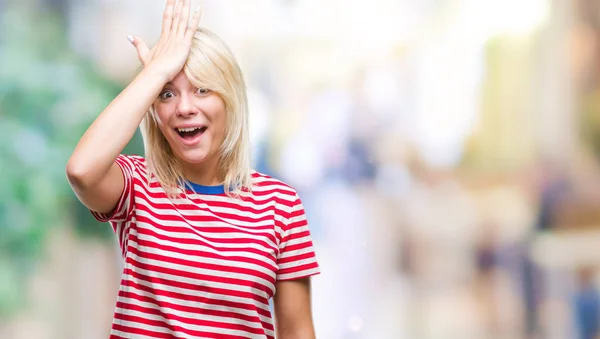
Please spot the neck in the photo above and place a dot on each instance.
(205, 173)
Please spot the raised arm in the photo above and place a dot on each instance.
(91, 170)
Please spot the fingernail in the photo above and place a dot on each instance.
(130, 38)
(198, 8)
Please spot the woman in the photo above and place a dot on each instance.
(206, 241)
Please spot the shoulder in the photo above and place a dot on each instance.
(132, 165)
(134, 158)
(283, 197)
(268, 186)
(134, 161)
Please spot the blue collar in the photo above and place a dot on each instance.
(219, 189)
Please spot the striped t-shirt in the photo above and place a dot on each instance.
(204, 265)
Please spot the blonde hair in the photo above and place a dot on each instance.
(210, 65)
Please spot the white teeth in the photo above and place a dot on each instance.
(191, 129)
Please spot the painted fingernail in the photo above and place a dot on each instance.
(130, 38)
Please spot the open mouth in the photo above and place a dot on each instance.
(190, 133)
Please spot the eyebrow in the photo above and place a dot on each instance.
(168, 85)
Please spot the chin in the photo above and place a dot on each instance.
(193, 156)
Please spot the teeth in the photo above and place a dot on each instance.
(191, 129)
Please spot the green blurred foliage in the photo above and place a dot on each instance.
(590, 121)
(48, 97)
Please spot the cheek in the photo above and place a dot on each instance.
(218, 117)
(220, 124)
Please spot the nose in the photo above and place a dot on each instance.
(185, 107)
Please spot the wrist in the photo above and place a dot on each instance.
(153, 75)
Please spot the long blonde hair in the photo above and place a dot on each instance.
(210, 65)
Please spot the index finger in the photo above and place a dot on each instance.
(193, 27)
(168, 17)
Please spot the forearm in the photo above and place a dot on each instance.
(114, 128)
(297, 326)
(307, 333)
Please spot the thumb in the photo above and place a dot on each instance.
(140, 46)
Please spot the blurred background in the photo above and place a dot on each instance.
(447, 153)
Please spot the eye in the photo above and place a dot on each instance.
(203, 91)
(164, 95)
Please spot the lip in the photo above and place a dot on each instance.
(190, 142)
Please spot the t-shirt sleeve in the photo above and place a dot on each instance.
(297, 257)
(124, 206)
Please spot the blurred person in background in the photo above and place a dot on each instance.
(587, 305)
(206, 240)
(486, 259)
